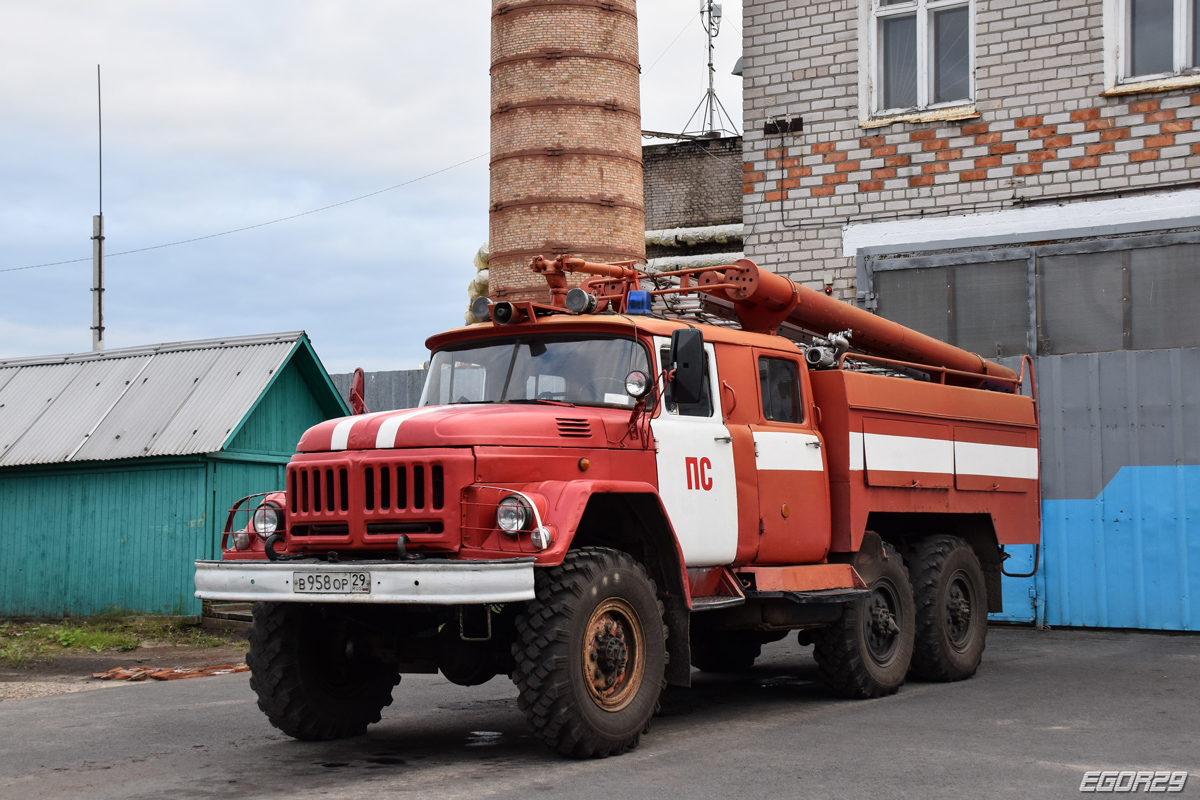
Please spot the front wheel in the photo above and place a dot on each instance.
(867, 652)
(591, 654)
(314, 672)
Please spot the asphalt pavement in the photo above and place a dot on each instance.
(1044, 708)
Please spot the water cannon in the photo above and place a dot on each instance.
(827, 353)
(762, 301)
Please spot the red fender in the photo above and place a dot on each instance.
(562, 504)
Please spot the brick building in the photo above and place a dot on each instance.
(693, 201)
(955, 109)
(693, 183)
(1018, 178)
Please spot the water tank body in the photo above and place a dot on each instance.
(566, 156)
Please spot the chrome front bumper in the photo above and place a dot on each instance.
(432, 582)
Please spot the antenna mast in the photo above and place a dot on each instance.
(713, 116)
(98, 232)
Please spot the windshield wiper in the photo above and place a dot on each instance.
(542, 400)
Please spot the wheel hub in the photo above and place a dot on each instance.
(612, 655)
(958, 612)
(880, 627)
(883, 621)
(611, 652)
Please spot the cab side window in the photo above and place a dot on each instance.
(780, 381)
(703, 408)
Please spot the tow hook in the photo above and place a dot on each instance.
(402, 550)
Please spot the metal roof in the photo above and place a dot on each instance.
(179, 398)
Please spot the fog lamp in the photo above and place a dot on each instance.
(541, 537)
(581, 302)
(481, 309)
(241, 540)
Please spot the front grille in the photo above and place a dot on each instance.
(404, 487)
(320, 490)
(369, 500)
(573, 428)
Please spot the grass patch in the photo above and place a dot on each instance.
(26, 643)
(96, 641)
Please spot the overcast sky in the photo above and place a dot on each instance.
(220, 115)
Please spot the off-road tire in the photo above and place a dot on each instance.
(311, 681)
(855, 659)
(724, 651)
(951, 601)
(549, 653)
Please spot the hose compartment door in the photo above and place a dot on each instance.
(910, 455)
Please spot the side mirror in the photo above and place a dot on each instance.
(687, 359)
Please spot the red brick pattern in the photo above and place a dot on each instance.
(1045, 129)
(1093, 138)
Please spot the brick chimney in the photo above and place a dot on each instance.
(566, 162)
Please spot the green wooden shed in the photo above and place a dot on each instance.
(117, 469)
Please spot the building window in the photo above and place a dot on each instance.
(1159, 37)
(922, 54)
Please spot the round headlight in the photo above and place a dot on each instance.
(637, 384)
(266, 519)
(513, 514)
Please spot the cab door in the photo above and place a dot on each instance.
(696, 481)
(793, 485)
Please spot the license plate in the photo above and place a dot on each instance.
(332, 582)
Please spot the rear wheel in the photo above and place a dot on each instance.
(867, 652)
(591, 654)
(951, 603)
(314, 673)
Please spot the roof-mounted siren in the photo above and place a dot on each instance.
(505, 313)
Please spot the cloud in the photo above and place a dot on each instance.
(224, 114)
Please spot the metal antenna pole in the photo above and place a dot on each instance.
(712, 122)
(98, 233)
(713, 116)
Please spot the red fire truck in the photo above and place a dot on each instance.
(595, 496)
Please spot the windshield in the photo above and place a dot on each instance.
(586, 371)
